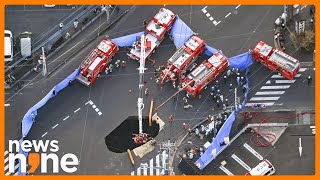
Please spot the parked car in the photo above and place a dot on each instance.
(8, 46)
(26, 44)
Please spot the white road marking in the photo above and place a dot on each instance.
(66, 118)
(269, 92)
(97, 109)
(243, 164)
(55, 126)
(139, 171)
(275, 87)
(211, 18)
(268, 82)
(44, 134)
(285, 81)
(279, 76)
(90, 102)
(264, 98)
(77, 110)
(216, 23)
(94, 106)
(151, 167)
(158, 164)
(227, 15)
(302, 69)
(225, 170)
(238, 6)
(204, 11)
(208, 14)
(145, 170)
(99, 113)
(6, 105)
(265, 103)
(254, 152)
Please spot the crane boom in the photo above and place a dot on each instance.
(141, 84)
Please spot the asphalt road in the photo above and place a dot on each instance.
(83, 132)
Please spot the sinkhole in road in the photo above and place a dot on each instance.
(120, 139)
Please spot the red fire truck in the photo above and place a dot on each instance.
(97, 61)
(155, 33)
(205, 73)
(183, 59)
(276, 60)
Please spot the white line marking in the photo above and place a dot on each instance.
(6, 105)
(208, 14)
(99, 113)
(265, 103)
(211, 18)
(132, 173)
(97, 109)
(139, 171)
(151, 167)
(225, 170)
(66, 118)
(158, 165)
(238, 6)
(204, 11)
(268, 82)
(243, 164)
(254, 152)
(302, 69)
(87, 102)
(77, 110)
(145, 170)
(270, 92)
(279, 76)
(275, 87)
(44, 134)
(55, 126)
(90, 102)
(216, 23)
(284, 81)
(264, 98)
(312, 127)
(94, 106)
(227, 15)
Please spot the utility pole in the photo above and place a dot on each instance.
(44, 63)
(235, 99)
(169, 147)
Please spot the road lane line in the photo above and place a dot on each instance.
(216, 23)
(44, 134)
(268, 82)
(279, 76)
(97, 109)
(55, 126)
(77, 110)
(66, 118)
(88, 102)
(254, 152)
(99, 113)
(264, 98)
(238, 6)
(275, 87)
(208, 14)
(211, 18)
(243, 164)
(270, 92)
(302, 69)
(204, 11)
(6, 105)
(284, 81)
(227, 15)
(265, 103)
(225, 170)
(138, 171)
(94, 106)
(151, 167)
(158, 165)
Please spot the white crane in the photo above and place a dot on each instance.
(141, 137)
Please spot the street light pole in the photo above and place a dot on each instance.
(44, 63)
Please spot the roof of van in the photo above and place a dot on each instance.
(25, 46)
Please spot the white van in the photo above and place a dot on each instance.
(8, 46)
(264, 168)
(25, 44)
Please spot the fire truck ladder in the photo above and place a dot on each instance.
(141, 137)
(89, 58)
(283, 59)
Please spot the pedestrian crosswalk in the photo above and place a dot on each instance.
(6, 165)
(240, 161)
(154, 167)
(274, 87)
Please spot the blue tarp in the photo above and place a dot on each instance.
(224, 131)
(210, 50)
(240, 61)
(127, 40)
(31, 114)
(180, 32)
